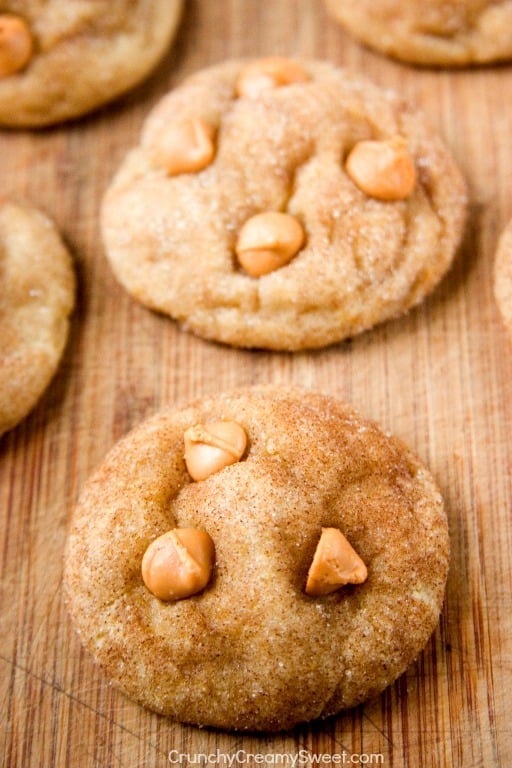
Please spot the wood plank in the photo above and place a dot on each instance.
(440, 378)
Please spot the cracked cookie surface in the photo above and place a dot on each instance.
(171, 238)
(84, 53)
(430, 32)
(37, 288)
(253, 650)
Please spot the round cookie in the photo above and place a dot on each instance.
(72, 57)
(171, 236)
(503, 275)
(37, 288)
(252, 650)
(430, 32)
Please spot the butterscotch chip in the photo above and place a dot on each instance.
(82, 54)
(430, 32)
(382, 169)
(178, 564)
(270, 72)
(335, 563)
(36, 298)
(503, 276)
(172, 241)
(268, 241)
(184, 147)
(211, 447)
(15, 44)
(253, 650)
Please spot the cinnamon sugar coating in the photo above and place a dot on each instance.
(85, 53)
(448, 33)
(253, 650)
(171, 241)
(37, 293)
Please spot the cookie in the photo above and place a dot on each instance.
(61, 59)
(37, 288)
(256, 580)
(430, 32)
(244, 215)
(503, 276)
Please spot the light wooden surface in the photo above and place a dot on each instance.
(440, 378)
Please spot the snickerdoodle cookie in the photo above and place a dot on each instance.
(257, 559)
(503, 275)
(61, 59)
(430, 32)
(283, 204)
(37, 289)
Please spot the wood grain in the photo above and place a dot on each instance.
(440, 378)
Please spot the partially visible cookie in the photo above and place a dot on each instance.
(283, 204)
(430, 32)
(61, 59)
(37, 289)
(503, 275)
(256, 559)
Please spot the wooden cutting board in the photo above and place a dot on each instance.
(441, 379)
